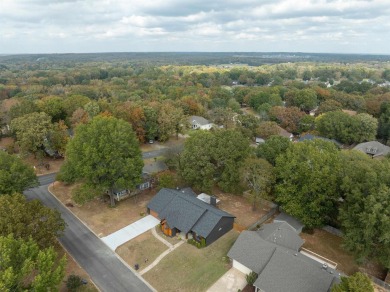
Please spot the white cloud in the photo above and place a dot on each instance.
(194, 25)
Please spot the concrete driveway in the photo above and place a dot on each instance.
(129, 232)
(231, 281)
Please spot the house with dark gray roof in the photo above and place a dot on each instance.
(180, 211)
(373, 148)
(310, 137)
(198, 122)
(272, 253)
(293, 222)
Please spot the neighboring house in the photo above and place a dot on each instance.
(284, 133)
(181, 212)
(200, 123)
(120, 194)
(272, 253)
(313, 111)
(311, 137)
(293, 222)
(373, 148)
(259, 141)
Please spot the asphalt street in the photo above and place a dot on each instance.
(163, 151)
(106, 270)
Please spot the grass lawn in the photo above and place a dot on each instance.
(190, 269)
(144, 246)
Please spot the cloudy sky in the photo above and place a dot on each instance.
(61, 26)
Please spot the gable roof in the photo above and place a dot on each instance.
(294, 273)
(284, 133)
(284, 217)
(184, 211)
(282, 234)
(312, 137)
(373, 148)
(198, 120)
(252, 251)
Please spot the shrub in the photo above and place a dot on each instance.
(73, 283)
(251, 278)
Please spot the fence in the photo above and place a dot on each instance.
(270, 213)
(333, 230)
(380, 283)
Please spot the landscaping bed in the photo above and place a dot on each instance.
(191, 269)
(142, 250)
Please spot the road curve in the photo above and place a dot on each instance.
(106, 270)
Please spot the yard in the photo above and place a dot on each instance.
(72, 268)
(330, 246)
(240, 207)
(190, 269)
(142, 250)
(98, 215)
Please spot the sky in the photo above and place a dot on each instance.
(73, 26)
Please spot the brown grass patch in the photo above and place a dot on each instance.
(98, 215)
(142, 250)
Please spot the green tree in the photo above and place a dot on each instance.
(26, 219)
(365, 127)
(196, 165)
(304, 99)
(364, 214)
(31, 130)
(267, 129)
(258, 175)
(105, 154)
(15, 175)
(272, 148)
(52, 105)
(25, 107)
(25, 267)
(308, 181)
(358, 282)
(384, 122)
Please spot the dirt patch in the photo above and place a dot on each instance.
(330, 246)
(98, 215)
(142, 250)
(241, 208)
(7, 142)
(44, 166)
(72, 268)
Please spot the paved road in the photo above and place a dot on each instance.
(47, 179)
(103, 266)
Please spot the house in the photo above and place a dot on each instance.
(284, 133)
(147, 183)
(259, 140)
(373, 148)
(293, 222)
(272, 253)
(310, 137)
(180, 211)
(200, 123)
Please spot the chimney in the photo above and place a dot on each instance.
(213, 201)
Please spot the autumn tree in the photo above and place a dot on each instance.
(25, 219)
(308, 181)
(258, 175)
(15, 175)
(287, 117)
(171, 120)
(267, 129)
(31, 130)
(26, 267)
(105, 154)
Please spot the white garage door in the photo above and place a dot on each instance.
(241, 267)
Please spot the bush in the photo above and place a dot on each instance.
(73, 283)
(251, 278)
